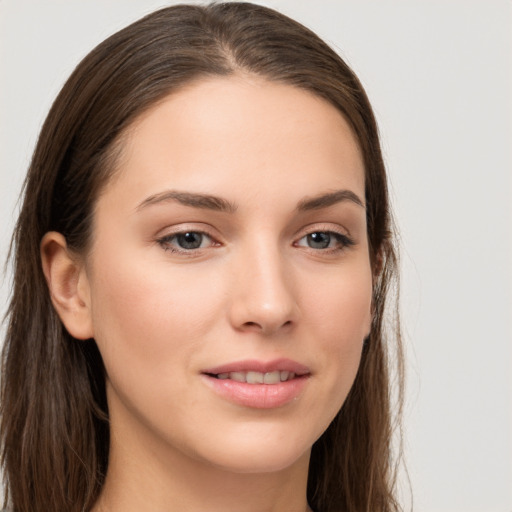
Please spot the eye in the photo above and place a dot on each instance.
(186, 241)
(325, 240)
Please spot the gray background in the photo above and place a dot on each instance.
(439, 74)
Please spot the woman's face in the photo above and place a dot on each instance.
(230, 248)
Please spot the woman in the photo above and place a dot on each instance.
(204, 251)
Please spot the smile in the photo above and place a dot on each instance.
(253, 377)
(258, 384)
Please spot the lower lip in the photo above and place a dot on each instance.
(258, 396)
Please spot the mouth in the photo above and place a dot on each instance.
(256, 384)
(253, 377)
(259, 372)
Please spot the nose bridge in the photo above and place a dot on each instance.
(264, 299)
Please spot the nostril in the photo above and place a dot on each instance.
(266, 327)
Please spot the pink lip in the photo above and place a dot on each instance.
(258, 396)
(284, 365)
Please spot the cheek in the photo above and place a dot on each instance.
(341, 315)
(148, 315)
(149, 323)
(341, 307)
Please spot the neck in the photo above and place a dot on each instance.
(195, 489)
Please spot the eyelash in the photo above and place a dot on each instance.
(165, 242)
(343, 242)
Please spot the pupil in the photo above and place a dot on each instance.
(190, 240)
(319, 240)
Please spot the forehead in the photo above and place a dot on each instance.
(217, 134)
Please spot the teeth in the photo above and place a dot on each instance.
(258, 377)
(272, 377)
(254, 378)
(238, 376)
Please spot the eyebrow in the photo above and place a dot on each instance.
(329, 199)
(209, 202)
(194, 200)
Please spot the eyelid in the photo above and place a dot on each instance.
(187, 227)
(323, 227)
(346, 241)
(167, 234)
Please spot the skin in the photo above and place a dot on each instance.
(255, 289)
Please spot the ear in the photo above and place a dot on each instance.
(68, 285)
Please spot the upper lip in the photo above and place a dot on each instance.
(255, 365)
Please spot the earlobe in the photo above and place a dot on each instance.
(68, 285)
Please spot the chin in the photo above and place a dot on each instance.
(258, 453)
(262, 462)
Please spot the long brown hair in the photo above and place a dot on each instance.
(54, 424)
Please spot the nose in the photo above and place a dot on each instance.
(264, 298)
